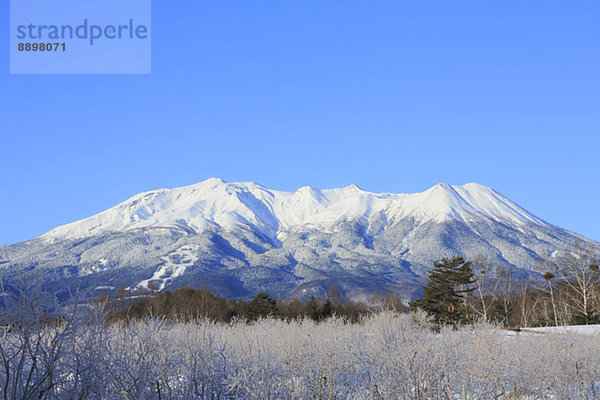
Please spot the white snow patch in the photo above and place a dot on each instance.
(578, 329)
(175, 265)
(104, 287)
(98, 266)
(587, 330)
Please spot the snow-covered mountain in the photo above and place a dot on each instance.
(240, 238)
(215, 203)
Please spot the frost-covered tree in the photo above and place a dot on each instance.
(548, 276)
(579, 275)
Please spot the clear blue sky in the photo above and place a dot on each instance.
(394, 96)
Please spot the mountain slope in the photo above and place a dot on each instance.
(241, 238)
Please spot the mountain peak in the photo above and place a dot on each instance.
(213, 180)
(476, 186)
(306, 189)
(214, 202)
(441, 186)
(353, 188)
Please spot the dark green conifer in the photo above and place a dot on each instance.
(261, 306)
(444, 295)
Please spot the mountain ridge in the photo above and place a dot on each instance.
(271, 207)
(241, 238)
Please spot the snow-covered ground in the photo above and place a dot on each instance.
(579, 329)
(99, 265)
(388, 356)
(584, 330)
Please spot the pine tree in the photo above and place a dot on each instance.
(312, 309)
(444, 295)
(334, 295)
(261, 306)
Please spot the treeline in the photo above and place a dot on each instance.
(457, 292)
(187, 304)
(557, 301)
(460, 291)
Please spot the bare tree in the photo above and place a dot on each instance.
(526, 303)
(493, 286)
(578, 274)
(480, 268)
(548, 276)
(35, 337)
(503, 295)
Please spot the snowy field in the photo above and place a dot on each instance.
(586, 330)
(579, 329)
(389, 356)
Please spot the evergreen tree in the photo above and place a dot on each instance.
(326, 311)
(444, 295)
(334, 295)
(312, 309)
(261, 306)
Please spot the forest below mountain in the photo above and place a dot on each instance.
(569, 296)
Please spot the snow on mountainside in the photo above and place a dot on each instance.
(242, 238)
(229, 205)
